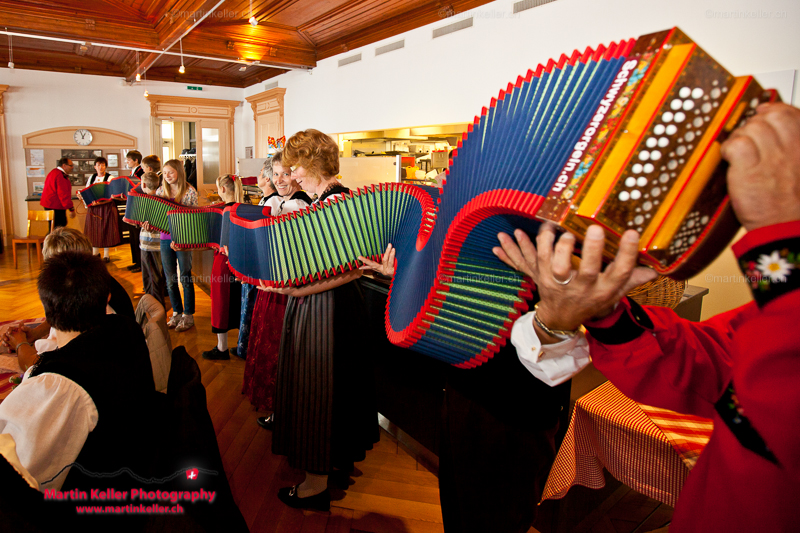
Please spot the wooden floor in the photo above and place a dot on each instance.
(390, 492)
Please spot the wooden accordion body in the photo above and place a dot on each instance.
(652, 162)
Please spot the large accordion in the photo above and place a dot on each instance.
(115, 188)
(626, 136)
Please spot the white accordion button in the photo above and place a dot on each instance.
(685, 92)
(697, 93)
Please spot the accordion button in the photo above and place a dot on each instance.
(685, 92)
(697, 93)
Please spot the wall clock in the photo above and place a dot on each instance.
(82, 137)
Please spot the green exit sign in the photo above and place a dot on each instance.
(194, 88)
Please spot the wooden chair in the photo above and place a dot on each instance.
(33, 216)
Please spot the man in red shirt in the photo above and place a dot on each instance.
(740, 368)
(57, 194)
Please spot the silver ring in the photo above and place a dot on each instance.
(571, 275)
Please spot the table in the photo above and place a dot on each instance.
(5, 385)
(649, 449)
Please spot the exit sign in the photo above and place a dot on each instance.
(194, 88)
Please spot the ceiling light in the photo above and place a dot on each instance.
(253, 21)
(242, 68)
(10, 52)
(146, 94)
(138, 77)
(182, 69)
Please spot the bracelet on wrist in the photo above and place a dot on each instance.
(16, 350)
(562, 334)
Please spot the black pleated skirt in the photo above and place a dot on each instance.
(325, 414)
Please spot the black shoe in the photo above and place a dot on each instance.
(215, 354)
(106, 259)
(319, 502)
(266, 422)
(135, 268)
(235, 352)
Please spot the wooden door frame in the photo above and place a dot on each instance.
(265, 103)
(185, 109)
(6, 205)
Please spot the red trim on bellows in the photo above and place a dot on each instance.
(574, 58)
(587, 55)
(611, 52)
(628, 47)
(599, 53)
(474, 212)
(562, 61)
(520, 81)
(550, 65)
(539, 70)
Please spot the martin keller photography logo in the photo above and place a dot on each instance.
(139, 500)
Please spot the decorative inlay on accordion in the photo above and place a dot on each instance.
(114, 188)
(627, 136)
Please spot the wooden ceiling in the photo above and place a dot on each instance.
(289, 34)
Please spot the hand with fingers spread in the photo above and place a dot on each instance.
(387, 265)
(568, 297)
(764, 173)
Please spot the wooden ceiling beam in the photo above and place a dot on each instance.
(171, 27)
(72, 24)
(35, 59)
(194, 76)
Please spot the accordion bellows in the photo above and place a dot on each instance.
(627, 136)
(114, 188)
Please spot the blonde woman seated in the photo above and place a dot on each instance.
(29, 343)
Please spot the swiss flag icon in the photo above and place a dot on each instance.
(191, 473)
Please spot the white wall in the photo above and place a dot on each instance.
(42, 100)
(449, 79)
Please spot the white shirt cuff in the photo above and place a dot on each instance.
(554, 363)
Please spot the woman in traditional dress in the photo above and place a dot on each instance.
(261, 369)
(102, 218)
(325, 415)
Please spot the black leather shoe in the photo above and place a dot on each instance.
(266, 422)
(235, 351)
(319, 502)
(135, 268)
(215, 354)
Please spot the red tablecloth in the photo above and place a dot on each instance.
(649, 449)
(5, 385)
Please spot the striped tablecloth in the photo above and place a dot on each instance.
(609, 430)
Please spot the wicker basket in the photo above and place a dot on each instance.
(661, 292)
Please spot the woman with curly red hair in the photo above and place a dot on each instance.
(325, 415)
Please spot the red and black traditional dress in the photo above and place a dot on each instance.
(261, 369)
(102, 219)
(226, 295)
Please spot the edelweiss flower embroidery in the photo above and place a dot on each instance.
(773, 266)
